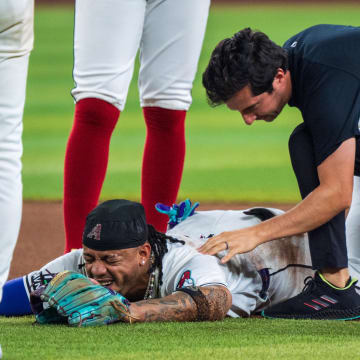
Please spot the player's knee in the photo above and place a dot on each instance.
(172, 96)
(96, 113)
(169, 121)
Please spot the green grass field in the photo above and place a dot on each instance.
(226, 160)
(230, 339)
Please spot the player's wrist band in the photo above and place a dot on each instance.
(200, 300)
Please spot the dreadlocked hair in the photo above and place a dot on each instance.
(158, 243)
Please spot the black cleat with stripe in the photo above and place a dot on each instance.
(319, 301)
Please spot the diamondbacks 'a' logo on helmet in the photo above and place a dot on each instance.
(95, 232)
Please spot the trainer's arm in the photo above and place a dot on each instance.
(332, 196)
(180, 306)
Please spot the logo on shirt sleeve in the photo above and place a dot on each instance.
(39, 278)
(185, 280)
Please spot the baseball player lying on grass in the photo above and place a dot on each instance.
(129, 272)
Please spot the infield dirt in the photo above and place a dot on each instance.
(42, 236)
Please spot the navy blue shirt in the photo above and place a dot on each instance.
(324, 63)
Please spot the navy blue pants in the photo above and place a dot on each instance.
(328, 242)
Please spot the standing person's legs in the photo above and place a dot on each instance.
(16, 41)
(353, 220)
(170, 49)
(353, 231)
(327, 243)
(106, 39)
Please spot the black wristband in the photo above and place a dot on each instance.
(200, 300)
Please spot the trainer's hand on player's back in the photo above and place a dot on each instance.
(235, 242)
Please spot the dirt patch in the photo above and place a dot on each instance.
(42, 233)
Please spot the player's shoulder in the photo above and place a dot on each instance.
(183, 262)
(179, 254)
(74, 254)
(70, 261)
(180, 250)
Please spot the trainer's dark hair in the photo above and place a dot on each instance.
(158, 243)
(249, 57)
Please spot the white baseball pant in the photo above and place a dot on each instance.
(353, 231)
(108, 34)
(16, 42)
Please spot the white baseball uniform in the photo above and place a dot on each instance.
(108, 35)
(273, 272)
(16, 42)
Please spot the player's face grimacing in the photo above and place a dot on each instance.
(124, 271)
(266, 106)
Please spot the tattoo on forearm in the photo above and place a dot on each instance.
(180, 306)
(219, 299)
(175, 307)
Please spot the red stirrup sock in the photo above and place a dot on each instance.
(163, 161)
(86, 161)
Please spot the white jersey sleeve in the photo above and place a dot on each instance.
(184, 266)
(72, 261)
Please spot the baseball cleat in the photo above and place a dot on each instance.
(319, 300)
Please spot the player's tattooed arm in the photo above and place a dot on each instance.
(204, 303)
